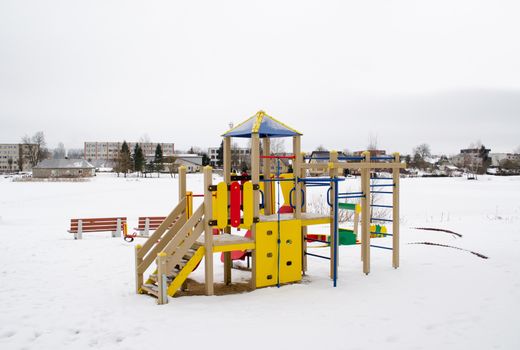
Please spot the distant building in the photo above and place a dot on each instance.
(239, 155)
(15, 156)
(51, 168)
(373, 153)
(192, 162)
(469, 158)
(110, 150)
(498, 158)
(318, 157)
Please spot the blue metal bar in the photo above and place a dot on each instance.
(385, 192)
(382, 158)
(310, 184)
(381, 247)
(276, 180)
(349, 197)
(335, 233)
(317, 158)
(377, 219)
(318, 256)
(381, 206)
(382, 185)
(351, 158)
(381, 233)
(349, 193)
(290, 198)
(320, 179)
(381, 178)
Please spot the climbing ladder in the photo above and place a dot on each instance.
(175, 249)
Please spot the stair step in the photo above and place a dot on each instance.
(151, 289)
(169, 278)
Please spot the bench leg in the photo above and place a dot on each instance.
(79, 233)
(117, 233)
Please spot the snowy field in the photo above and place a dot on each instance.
(57, 293)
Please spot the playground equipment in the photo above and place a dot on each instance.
(278, 238)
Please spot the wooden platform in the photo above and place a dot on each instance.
(307, 218)
(227, 242)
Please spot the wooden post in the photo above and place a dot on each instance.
(268, 209)
(162, 298)
(296, 170)
(333, 158)
(79, 234)
(227, 180)
(395, 214)
(189, 204)
(365, 215)
(208, 231)
(255, 177)
(138, 276)
(302, 173)
(182, 182)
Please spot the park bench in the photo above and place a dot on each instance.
(148, 223)
(114, 225)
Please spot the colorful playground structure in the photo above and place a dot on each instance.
(272, 208)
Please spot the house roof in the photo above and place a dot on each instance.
(64, 164)
(262, 124)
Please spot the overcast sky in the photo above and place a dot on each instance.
(405, 72)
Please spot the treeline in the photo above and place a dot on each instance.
(135, 161)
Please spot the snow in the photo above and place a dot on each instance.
(57, 293)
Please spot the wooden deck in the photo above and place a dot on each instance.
(227, 242)
(307, 218)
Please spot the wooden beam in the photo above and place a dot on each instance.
(227, 180)
(208, 231)
(365, 215)
(255, 177)
(268, 210)
(296, 170)
(182, 182)
(395, 215)
(302, 173)
(333, 172)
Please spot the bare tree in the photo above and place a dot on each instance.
(10, 162)
(372, 142)
(59, 152)
(75, 153)
(277, 145)
(36, 148)
(321, 148)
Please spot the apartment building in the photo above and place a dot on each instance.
(109, 150)
(15, 156)
(239, 155)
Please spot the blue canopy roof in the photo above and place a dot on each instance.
(262, 124)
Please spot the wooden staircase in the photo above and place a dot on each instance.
(175, 249)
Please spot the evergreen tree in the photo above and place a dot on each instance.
(205, 159)
(124, 161)
(139, 160)
(158, 159)
(220, 154)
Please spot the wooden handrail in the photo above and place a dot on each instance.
(185, 230)
(175, 213)
(170, 234)
(183, 248)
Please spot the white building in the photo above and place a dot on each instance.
(14, 156)
(239, 155)
(110, 150)
(497, 158)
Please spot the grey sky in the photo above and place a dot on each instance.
(442, 72)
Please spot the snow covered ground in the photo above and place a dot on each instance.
(57, 293)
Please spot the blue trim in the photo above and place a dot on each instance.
(381, 247)
(381, 206)
(349, 193)
(385, 192)
(349, 197)
(351, 158)
(318, 256)
(381, 178)
(377, 219)
(382, 185)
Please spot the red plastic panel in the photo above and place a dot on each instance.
(234, 207)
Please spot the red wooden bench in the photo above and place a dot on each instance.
(148, 223)
(114, 225)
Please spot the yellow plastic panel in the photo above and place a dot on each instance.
(266, 254)
(287, 186)
(214, 204)
(247, 203)
(222, 205)
(290, 251)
